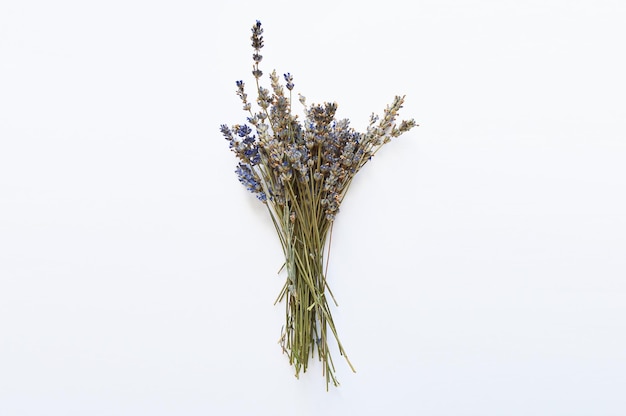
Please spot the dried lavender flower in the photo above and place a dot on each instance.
(301, 171)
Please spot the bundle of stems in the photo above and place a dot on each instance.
(304, 231)
(301, 172)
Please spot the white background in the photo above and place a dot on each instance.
(479, 261)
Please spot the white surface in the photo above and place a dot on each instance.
(479, 261)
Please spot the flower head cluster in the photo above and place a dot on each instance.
(309, 163)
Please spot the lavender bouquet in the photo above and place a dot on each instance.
(301, 171)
